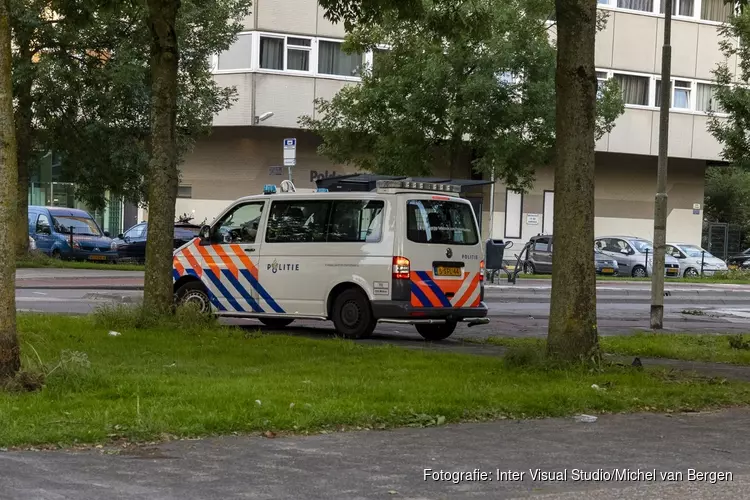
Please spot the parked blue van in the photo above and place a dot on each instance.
(69, 233)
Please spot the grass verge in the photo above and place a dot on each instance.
(710, 348)
(202, 379)
(37, 260)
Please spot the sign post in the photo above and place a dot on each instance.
(290, 155)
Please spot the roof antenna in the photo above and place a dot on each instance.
(287, 186)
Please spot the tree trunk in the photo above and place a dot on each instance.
(162, 175)
(572, 323)
(24, 142)
(10, 360)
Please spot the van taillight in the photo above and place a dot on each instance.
(481, 270)
(401, 268)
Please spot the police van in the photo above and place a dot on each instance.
(407, 252)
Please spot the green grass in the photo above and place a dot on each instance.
(38, 260)
(711, 348)
(203, 379)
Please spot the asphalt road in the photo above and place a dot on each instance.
(509, 315)
(392, 464)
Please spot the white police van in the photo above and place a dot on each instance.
(407, 252)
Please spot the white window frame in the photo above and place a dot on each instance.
(340, 77)
(215, 58)
(283, 36)
(652, 91)
(656, 12)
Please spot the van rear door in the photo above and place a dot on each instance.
(444, 251)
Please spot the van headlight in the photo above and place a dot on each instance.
(113, 245)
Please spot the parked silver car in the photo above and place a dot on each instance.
(690, 258)
(634, 256)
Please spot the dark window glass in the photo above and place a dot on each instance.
(541, 245)
(42, 224)
(297, 221)
(444, 222)
(186, 233)
(79, 225)
(239, 225)
(136, 232)
(360, 221)
(272, 53)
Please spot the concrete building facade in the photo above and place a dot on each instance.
(289, 55)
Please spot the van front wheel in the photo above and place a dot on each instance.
(352, 315)
(436, 331)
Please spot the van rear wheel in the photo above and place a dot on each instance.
(352, 315)
(436, 331)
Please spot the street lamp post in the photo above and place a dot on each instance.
(660, 202)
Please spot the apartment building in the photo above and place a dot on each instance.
(289, 54)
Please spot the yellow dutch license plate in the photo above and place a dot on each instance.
(732, 266)
(672, 271)
(448, 271)
(608, 270)
(97, 257)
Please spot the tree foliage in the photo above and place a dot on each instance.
(440, 94)
(92, 85)
(727, 195)
(733, 130)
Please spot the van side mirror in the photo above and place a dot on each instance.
(205, 234)
(106, 233)
(120, 236)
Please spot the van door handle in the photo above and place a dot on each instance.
(249, 250)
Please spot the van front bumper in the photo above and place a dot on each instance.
(392, 311)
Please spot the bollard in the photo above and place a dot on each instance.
(703, 261)
(647, 262)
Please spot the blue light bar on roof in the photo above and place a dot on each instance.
(269, 189)
(322, 190)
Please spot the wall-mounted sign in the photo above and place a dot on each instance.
(275, 170)
(533, 219)
(696, 208)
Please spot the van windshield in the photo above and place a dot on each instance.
(80, 225)
(441, 222)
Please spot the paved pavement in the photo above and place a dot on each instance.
(392, 464)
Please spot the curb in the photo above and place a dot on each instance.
(622, 299)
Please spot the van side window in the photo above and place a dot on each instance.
(541, 245)
(356, 221)
(42, 225)
(296, 221)
(239, 225)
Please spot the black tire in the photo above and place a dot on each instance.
(528, 268)
(691, 272)
(352, 315)
(639, 272)
(276, 322)
(436, 331)
(193, 292)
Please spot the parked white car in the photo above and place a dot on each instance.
(690, 258)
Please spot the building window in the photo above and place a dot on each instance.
(356, 221)
(185, 191)
(298, 53)
(680, 7)
(513, 213)
(705, 98)
(271, 53)
(601, 79)
(681, 89)
(716, 10)
(332, 60)
(679, 95)
(634, 89)
(239, 54)
(298, 221)
(643, 5)
(285, 53)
